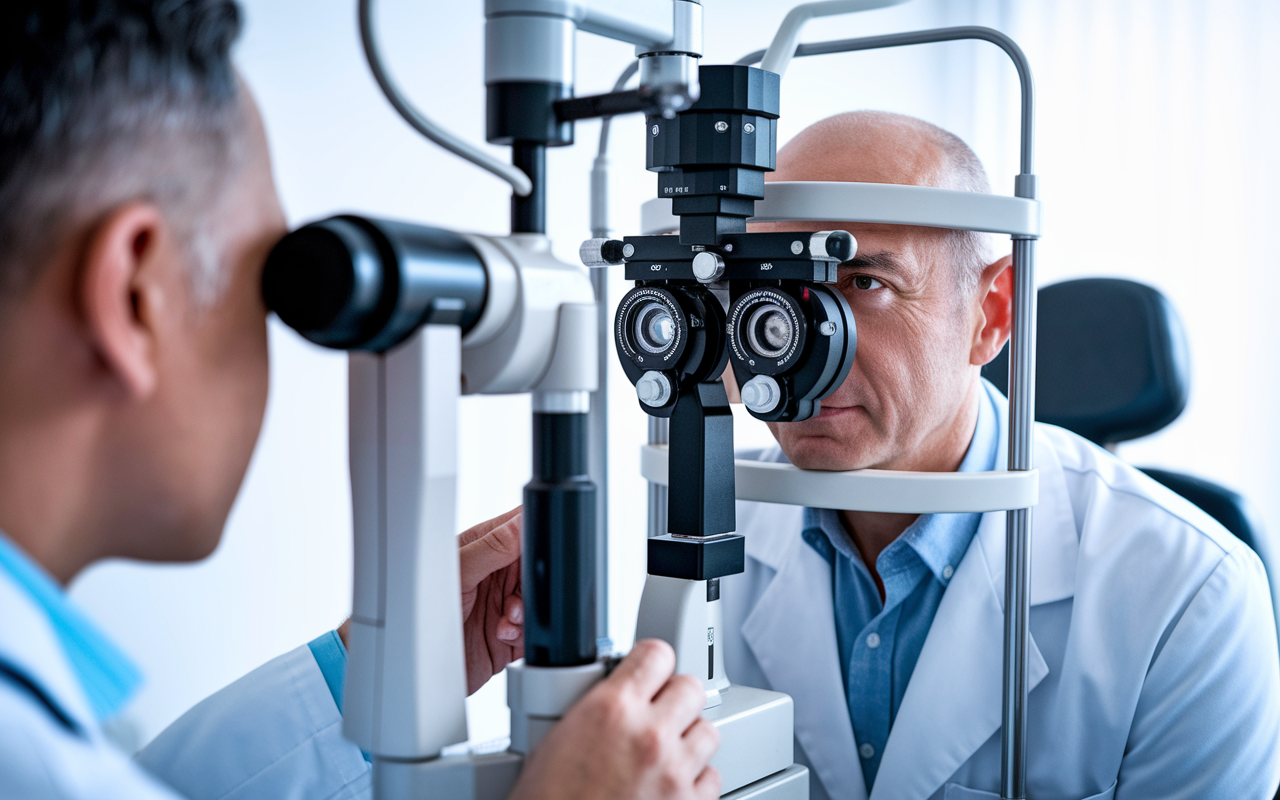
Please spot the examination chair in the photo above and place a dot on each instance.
(1111, 365)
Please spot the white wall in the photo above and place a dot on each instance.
(282, 574)
(1157, 145)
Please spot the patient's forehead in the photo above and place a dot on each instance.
(868, 150)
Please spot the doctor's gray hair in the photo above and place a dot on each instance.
(107, 101)
(970, 251)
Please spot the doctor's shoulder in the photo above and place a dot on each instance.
(1171, 622)
(1139, 540)
(40, 758)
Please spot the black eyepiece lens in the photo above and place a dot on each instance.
(655, 330)
(769, 331)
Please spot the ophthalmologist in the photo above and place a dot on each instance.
(1152, 661)
(136, 210)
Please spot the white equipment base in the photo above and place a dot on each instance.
(790, 784)
(756, 735)
(884, 491)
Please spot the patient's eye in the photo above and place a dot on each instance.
(866, 282)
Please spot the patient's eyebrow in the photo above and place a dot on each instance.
(884, 262)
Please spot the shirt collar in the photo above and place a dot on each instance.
(940, 540)
(106, 675)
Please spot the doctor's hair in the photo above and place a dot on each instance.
(920, 152)
(103, 102)
(970, 251)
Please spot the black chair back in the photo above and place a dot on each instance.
(1111, 360)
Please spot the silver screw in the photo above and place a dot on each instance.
(827, 328)
(653, 389)
(722, 126)
(761, 394)
(654, 130)
(749, 128)
(708, 267)
(728, 248)
(628, 250)
(797, 247)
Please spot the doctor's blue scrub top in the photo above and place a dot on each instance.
(276, 733)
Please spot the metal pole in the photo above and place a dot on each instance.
(1022, 403)
(935, 35)
(598, 458)
(1022, 394)
(658, 434)
(598, 418)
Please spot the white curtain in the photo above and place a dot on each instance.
(1156, 134)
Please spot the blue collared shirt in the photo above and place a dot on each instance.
(880, 641)
(107, 676)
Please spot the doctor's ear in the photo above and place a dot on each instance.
(995, 317)
(120, 287)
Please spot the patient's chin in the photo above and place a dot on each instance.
(823, 453)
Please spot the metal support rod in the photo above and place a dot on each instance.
(1022, 387)
(599, 414)
(598, 456)
(1022, 403)
(529, 212)
(659, 433)
(559, 565)
(1009, 46)
(606, 105)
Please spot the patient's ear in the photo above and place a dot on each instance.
(121, 289)
(995, 317)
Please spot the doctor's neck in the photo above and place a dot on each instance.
(942, 450)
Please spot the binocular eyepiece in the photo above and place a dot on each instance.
(790, 346)
(790, 343)
(669, 338)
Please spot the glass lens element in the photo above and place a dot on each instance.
(655, 330)
(769, 331)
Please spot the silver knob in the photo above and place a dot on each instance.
(653, 389)
(761, 394)
(708, 266)
(602, 252)
(832, 246)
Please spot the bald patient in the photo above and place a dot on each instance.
(1153, 663)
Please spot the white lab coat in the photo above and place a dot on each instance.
(1153, 665)
(275, 734)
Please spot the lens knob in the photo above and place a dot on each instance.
(761, 394)
(653, 389)
(601, 252)
(708, 266)
(832, 245)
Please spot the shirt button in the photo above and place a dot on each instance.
(873, 641)
(867, 751)
(947, 572)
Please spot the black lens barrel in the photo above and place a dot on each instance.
(357, 283)
(696, 351)
(820, 351)
(559, 560)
